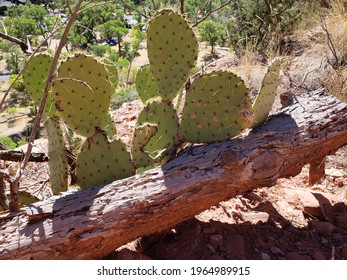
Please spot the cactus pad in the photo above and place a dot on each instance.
(35, 78)
(165, 141)
(82, 94)
(172, 52)
(215, 108)
(145, 84)
(102, 162)
(267, 93)
(58, 163)
(142, 135)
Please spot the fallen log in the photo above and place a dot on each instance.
(13, 155)
(90, 224)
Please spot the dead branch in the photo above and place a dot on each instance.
(90, 224)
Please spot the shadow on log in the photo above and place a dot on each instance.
(90, 224)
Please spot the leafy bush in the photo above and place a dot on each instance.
(19, 84)
(263, 23)
(10, 143)
(127, 94)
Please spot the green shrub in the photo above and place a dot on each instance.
(10, 143)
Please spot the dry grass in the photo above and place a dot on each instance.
(334, 26)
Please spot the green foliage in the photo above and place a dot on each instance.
(123, 95)
(10, 143)
(210, 32)
(12, 110)
(99, 50)
(19, 84)
(24, 20)
(14, 57)
(263, 23)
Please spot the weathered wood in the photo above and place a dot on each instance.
(90, 224)
(12, 155)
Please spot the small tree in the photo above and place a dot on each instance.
(14, 57)
(114, 28)
(210, 33)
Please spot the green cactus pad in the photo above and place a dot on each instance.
(35, 78)
(164, 142)
(215, 108)
(172, 52)
(102, 162)
(145, 84)
(267, 93)
(82, 94)
(142, 136)
(58, 163)
(112, 71)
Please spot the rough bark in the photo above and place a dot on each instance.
(92, 223)
(12, 155)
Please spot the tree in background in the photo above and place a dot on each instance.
(13, 55)
(263, 23)
(210, 32)
(27, 20)
(114, 28)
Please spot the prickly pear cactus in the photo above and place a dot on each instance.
(58, 163)
(164, 142)
(216, 108)
(102, 162)
(35, 78)
(142, 136)
(112, 71)
(172, 52)
(145, 84)
(82, 94)
(267, 93)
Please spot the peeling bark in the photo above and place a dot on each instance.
(90, 224)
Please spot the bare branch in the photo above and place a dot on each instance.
(182, 7)
(24, 47)
(211, 12)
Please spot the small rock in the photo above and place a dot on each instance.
(265, 256)
(276, 251)
(255, 217)
(318, 255)
(339, 182)
(323, 228)
(334, 172)
(297, 256)
(216, 240)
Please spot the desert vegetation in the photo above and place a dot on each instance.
(191, 73)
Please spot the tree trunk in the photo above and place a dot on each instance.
(90, 224)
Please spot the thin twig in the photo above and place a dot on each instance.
(24, 47)
(20, 171)
(154, 5)
(211, 12)
(182, 7)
